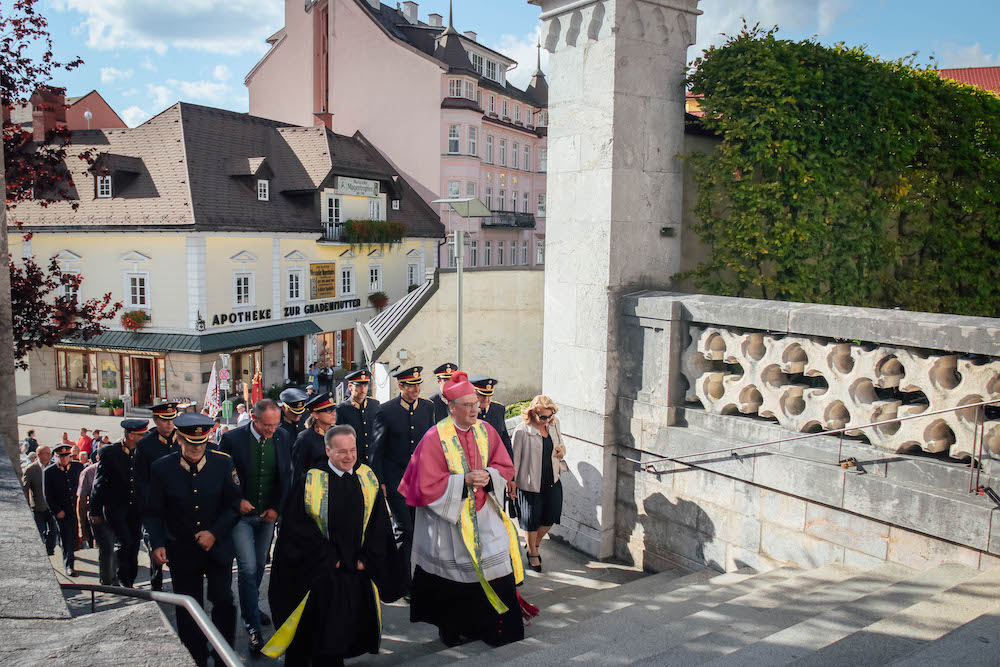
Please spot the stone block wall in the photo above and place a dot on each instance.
(793, 502)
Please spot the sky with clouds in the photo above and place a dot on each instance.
(144, 55)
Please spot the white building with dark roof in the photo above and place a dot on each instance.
(232, 234)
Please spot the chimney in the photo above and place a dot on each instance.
(471, 35)
(410, 11)
(435, 20)
(48, 111)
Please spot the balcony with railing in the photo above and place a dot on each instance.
(333, 232)
(510, 219)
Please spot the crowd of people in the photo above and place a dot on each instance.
(358, 503)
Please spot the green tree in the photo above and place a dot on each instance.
(842, 178)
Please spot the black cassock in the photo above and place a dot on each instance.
(340, 619)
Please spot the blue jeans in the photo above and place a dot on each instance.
(252, 537)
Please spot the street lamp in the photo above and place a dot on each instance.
(466, 207)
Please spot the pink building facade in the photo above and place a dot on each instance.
(436, 101)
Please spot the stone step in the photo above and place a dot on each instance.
(784, 606)
(913, 628)
(563, 608)
(974, 644)
(652, 607)
(893, 590)
(654, 636)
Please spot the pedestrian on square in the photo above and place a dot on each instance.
(194, 502)
(74, 453)
(538, 459)
(262, 456)
(31, 480)
(30, 444)
(241, 414)
(336, 551)
(95, 442)
(60, 480)
(466, 557)
(442, 373)
(309, 449)
(115, 509)
(65, 440)
(399, 425)
(105, 440)
(157, 443)
(83, 491)
(358, 411)
(84, 441)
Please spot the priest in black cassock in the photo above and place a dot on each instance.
(334, 561)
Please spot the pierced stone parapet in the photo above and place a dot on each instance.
(810, 384)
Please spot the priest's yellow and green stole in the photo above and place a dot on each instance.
(458, 464)
(317, 495)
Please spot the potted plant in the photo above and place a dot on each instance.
(118, 407)
(378, 299)
(104, 408)
(133, 320)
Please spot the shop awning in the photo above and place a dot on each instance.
(191, 344)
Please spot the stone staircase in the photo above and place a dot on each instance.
(833, 615)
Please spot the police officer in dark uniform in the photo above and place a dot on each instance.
(399, 425)
(114, 504)
(359, 411)
(293, 405)
(490, 411)
(443, 374)
(60, 480)
(194, 502)
(309, 449)
(153, 446)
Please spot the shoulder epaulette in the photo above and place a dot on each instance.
(427, 400)
(219, 451)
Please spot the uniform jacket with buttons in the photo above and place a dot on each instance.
(440, 406)
(495, 417)
(185, 499)
(149, 450)
(363, 421)
(115, 490)
(60, 487)
(397, 433)
(237, 444)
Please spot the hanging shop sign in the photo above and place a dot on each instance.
(357, 186)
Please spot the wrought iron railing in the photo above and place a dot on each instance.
(510, 219)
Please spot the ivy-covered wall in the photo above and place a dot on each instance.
(845, 179)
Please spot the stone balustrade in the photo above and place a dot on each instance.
(809, 384)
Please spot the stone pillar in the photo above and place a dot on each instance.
(616, 127)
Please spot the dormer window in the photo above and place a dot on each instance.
(491, 70)
(103, 187)
(263, 190)
(477, 62)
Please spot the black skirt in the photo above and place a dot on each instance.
(461, 608)
(543, 508)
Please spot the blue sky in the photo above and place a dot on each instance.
(144, 55)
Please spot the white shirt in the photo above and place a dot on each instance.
(340, 473)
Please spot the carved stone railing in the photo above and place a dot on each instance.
(808, 384)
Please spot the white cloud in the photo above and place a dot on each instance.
(147, 64)
(232, 27)
(131, 92)
(133, 116)
(202, 91)
(967, 56)
(111, 74)
(522, 49)
(161, 96)
(725, 17)
(221, 73)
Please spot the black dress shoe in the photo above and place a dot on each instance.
(70, 572)
(449, 638)
(265, 619)
(256, 642)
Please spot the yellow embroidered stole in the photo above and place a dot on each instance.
(458, 464)
(317, 499)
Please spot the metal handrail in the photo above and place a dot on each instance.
(201, 619)
(977, 442)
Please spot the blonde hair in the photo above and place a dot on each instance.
(540, 401)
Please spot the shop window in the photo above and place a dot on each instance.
(335, 349)
(76, 371)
